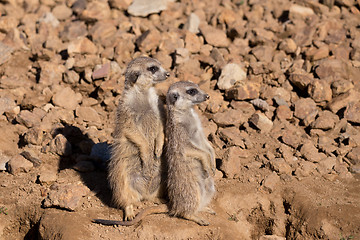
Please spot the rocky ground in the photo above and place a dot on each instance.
(283, 116)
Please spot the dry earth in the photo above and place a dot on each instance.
(283, 117)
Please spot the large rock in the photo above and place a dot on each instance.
(51, 73)
(341, 86)
(19, 164)
(305, 169)
(304, 107)
(233, 159)
(62, 12)
(102, 71)
(105, 33)
(263, 53)
(301, 81)
(47, 177)
(231, 135)
(326, 165)
(96, 10)
(61, 145)
(231, 74)
(28, 119)
(325, 121)
(6, 105)
(230, 117)
(193, 23)
(299, 12)
(245, 91)
(310, 152)
(320, 91)
(352, 112)
(343, 100)
(214, 36)
(67, 98)
(271, 182)
(82, 45)
(332, 68)
(291, 138)
(261, 122)
(61, 225)
(283, 112)
(143, 8)
(73, 30)
(288, 45)
(354, 155)
(280, 166)
(87, 114)
(67, 196)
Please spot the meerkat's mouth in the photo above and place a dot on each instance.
(159, 80)
(162, 78)
(199, 101)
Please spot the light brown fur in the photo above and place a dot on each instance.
(135, 164)
(190, 157)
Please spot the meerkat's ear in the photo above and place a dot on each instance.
(173, 97)
(133, 76)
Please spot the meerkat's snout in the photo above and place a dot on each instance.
(158, 72)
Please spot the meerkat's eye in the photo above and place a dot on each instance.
(153, 69)
(192, 91)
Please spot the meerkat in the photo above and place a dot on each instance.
(190, 159)
(135, 164)
(189, 155)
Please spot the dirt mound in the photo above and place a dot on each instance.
(283, 114)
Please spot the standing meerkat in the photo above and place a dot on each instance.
(190, 157)
(135, 164)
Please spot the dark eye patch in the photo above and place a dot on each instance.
(192, 91)
(153, 69)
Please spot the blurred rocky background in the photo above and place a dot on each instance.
(283, 114)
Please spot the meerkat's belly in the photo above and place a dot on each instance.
(150, 125)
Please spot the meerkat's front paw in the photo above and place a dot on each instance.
(206, 173)
(129, 213)
(213, 170)
(158, 153)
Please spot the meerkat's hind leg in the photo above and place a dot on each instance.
(196, 219)
(129, 213)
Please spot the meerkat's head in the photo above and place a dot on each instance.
(144, 72)
(184, 95)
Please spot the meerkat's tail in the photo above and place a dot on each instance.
(162, 208)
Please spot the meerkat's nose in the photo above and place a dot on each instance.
(207, 96)
(167, 74)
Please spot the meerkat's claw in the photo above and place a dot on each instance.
(210, 211)
(213, 170)
(158, 154)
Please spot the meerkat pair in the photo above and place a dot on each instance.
(135, 166)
